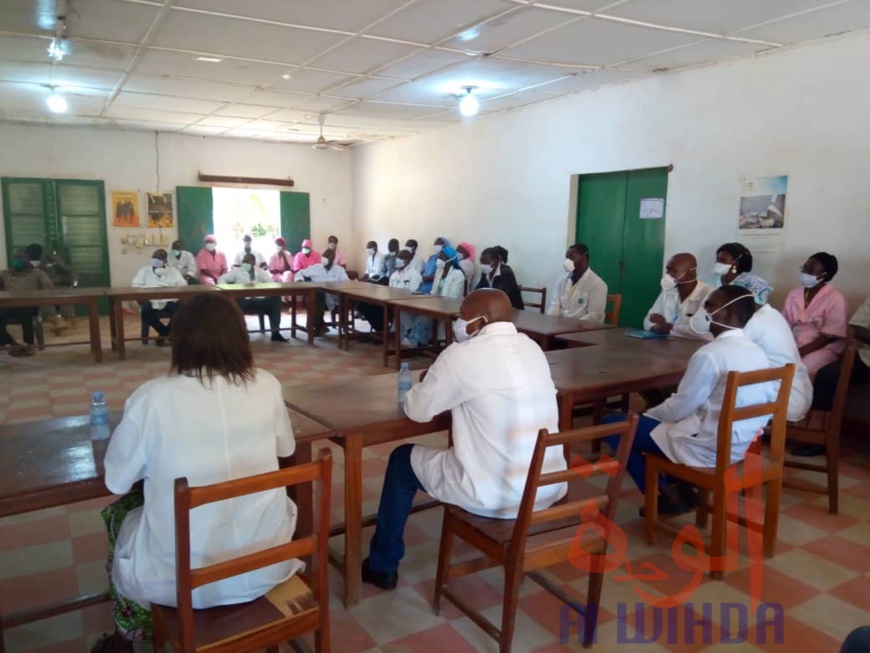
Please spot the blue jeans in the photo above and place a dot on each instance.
(858, 641)
(643, 443)
(387, 547)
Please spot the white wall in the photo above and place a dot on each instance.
(125, 160)
(505, 179)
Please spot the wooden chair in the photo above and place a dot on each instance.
(828, 437)
(542, 305)
(297, 606)
(612, 316)
(534, 540)
(725, 479)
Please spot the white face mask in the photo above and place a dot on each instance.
(721, 269)
(438, 248)
(35, 263)
(668, 282)
(461, 256)
(439, 264)
(568, 265)
(400, 263)
(370, 251)
(157, 263)
(331, 246)
(460, 328)
(211, 246)
(278, 249)
(486, 268)
(809, 281)
(702, 320)
(306, 250)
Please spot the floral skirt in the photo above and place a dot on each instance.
(131, 619)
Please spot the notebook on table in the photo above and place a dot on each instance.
(645, 335)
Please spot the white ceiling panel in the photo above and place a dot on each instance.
(593, 41)
(289, 115)
(310, 81)
(385, 111)
(155, 114)
(201, 130)
(422, 63)
(361, 55)
(79, 53)
(590, 80)
(142, 125)
(27, 15)
(16, 97)
(183, 64)
(187, 88)
(349, 15)
(849, 16)
(97, 19)
(516, 100)
(430, 21)
(164, 102)
(241, 38)
(587, 5)
(62, 76)
(700, 53)
(712, 16)
(364, 88)
(507, 30)
(244, 111)
(280, 100)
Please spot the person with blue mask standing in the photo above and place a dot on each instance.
(158, 275)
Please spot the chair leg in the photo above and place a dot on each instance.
(702, 515)
(717, 537)
(593, 601)
(771, 516)
(651, 505)
(832, 462)
(513, 576)
(158, 636)
(444, 553)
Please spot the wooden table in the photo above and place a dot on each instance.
(236, 290)
(441, 309)
(682, 348)
(362, 412)
(63, 297)
(55, 463)
(117, 297)
(584, 374)
(544, 328)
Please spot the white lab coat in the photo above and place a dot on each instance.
(166, 277)
(769, 330)
(586, 300)
(500, 393)
(238, 275)
(185, 263)
(407, 278)
(176, 426)
(374, 264)
(417, 263)
(454, 283)
(319, 274)
(470, 271)
(260, 259)
(679, 313)
(690, 417)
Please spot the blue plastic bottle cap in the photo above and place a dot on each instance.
(97, 396)
(406, 366)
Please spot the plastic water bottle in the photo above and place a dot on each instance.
(100, 429)
(404, 382)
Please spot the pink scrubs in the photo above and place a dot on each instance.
(302, 261)
(284, 263)
(215, 262)
(827, 314)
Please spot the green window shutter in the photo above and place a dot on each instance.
(28, 209)
(83, 242)
(195, 216)
(296, 219)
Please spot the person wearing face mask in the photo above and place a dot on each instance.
(62, 276)
(157, 275)
(817, 313)
(332, 243)
(210, 262)
(389, 261)
(496, 273)
(326, 270)
(247, 240)
(417, 262)
(449, 282)
(250, 272)
(431, 266)
(682, 296)
(734, 263)
(281, 262)
(579, 292)
(496, 383)
(404, 277)
(184, 262)
(685, 427)
(306, 257)
(21, 277)
(374, 262)
(465, 252)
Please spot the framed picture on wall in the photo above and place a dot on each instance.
(160, 210)
(125, 208)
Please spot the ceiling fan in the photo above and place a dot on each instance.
(323, 144)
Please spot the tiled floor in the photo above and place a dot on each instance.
(820, 575)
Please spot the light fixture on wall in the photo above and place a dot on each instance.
(468, 104)
(56, 102)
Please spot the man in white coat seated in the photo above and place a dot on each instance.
(682, 296)
(684, 428)
(579, 292)
(496, 383)
(325, 271)
(158, 275)
(249, 272)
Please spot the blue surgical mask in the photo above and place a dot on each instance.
(247, 267)
(157, 263)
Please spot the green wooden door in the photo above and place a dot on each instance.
(296, 220)
(627, 251)
(195, 215)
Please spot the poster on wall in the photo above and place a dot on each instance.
(125, 208)
(160, 210)
(761, 222)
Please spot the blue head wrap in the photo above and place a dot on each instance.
(754, 284)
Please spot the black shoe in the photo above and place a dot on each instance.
(808, 451)
(277, 337)
(386, 580)
(668, 507)
(689, 494)
(161, 341)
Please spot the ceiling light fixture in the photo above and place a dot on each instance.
(468, 105)
(209, 59)
(55, 50)
(469, 34)
(56, 102)
(286, 76)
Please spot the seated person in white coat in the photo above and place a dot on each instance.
(248, 272)
(684, 428)
(183, 261)
(158, 275)
(769, 330)
(496, 383)
(214, 417)
(326, 270)
(246, 249)
(682, 296)
(374, 262)
(404, 277)
(579, 292)
(449, 282)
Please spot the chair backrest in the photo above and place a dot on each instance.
(578, 468)
(316, 543)
(841, 394)
(611, 315)
(540, 305)
(777, 409)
